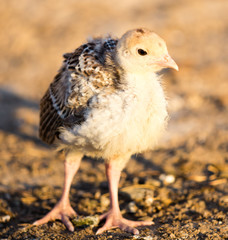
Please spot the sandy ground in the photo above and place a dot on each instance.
(182, 185)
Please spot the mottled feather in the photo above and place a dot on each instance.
(84, 73)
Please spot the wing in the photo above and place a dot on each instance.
(86, 72)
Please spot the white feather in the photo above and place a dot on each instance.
(125, 122)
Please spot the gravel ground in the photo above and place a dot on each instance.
(182, 185)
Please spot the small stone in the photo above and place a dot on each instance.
(86, 221)
(153, 182)
(172, 235)
(138, 193)
(132, 208)
(5, 218)
(105, 201)
(167, 179)
(97, 195)
(144, 238)
(149, 200)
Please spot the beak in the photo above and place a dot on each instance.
(168, 62)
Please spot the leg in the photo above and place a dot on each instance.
(113, 216)
(63, 210)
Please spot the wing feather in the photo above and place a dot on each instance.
(84, 73)
(49, 119)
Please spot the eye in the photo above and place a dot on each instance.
(142, 52)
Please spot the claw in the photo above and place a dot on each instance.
(66, 221)
(61, 213)
(113, 221)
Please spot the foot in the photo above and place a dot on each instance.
(62, 211)
(116, 220)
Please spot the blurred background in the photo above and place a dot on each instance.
(35, 34)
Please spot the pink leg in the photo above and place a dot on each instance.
(63, 210)
(113, 217)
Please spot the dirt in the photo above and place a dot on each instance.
(182, 185)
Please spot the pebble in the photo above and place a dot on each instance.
(153, 182)
(144, 238)
(139, 194)
(132, 208)
(167, 179)
(5, 218)
(86, 221)
(105, 201)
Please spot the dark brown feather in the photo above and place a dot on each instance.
(47, 112)
(65, 102)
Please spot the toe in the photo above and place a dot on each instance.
(129, 229)
(134, 231)
(66, 221)
(71, 213)
(36, 223)
(124, 224)
(101, 230)
(103, 216)
(45, 219)
(60, 213)
(137, 223)
(108, 225)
